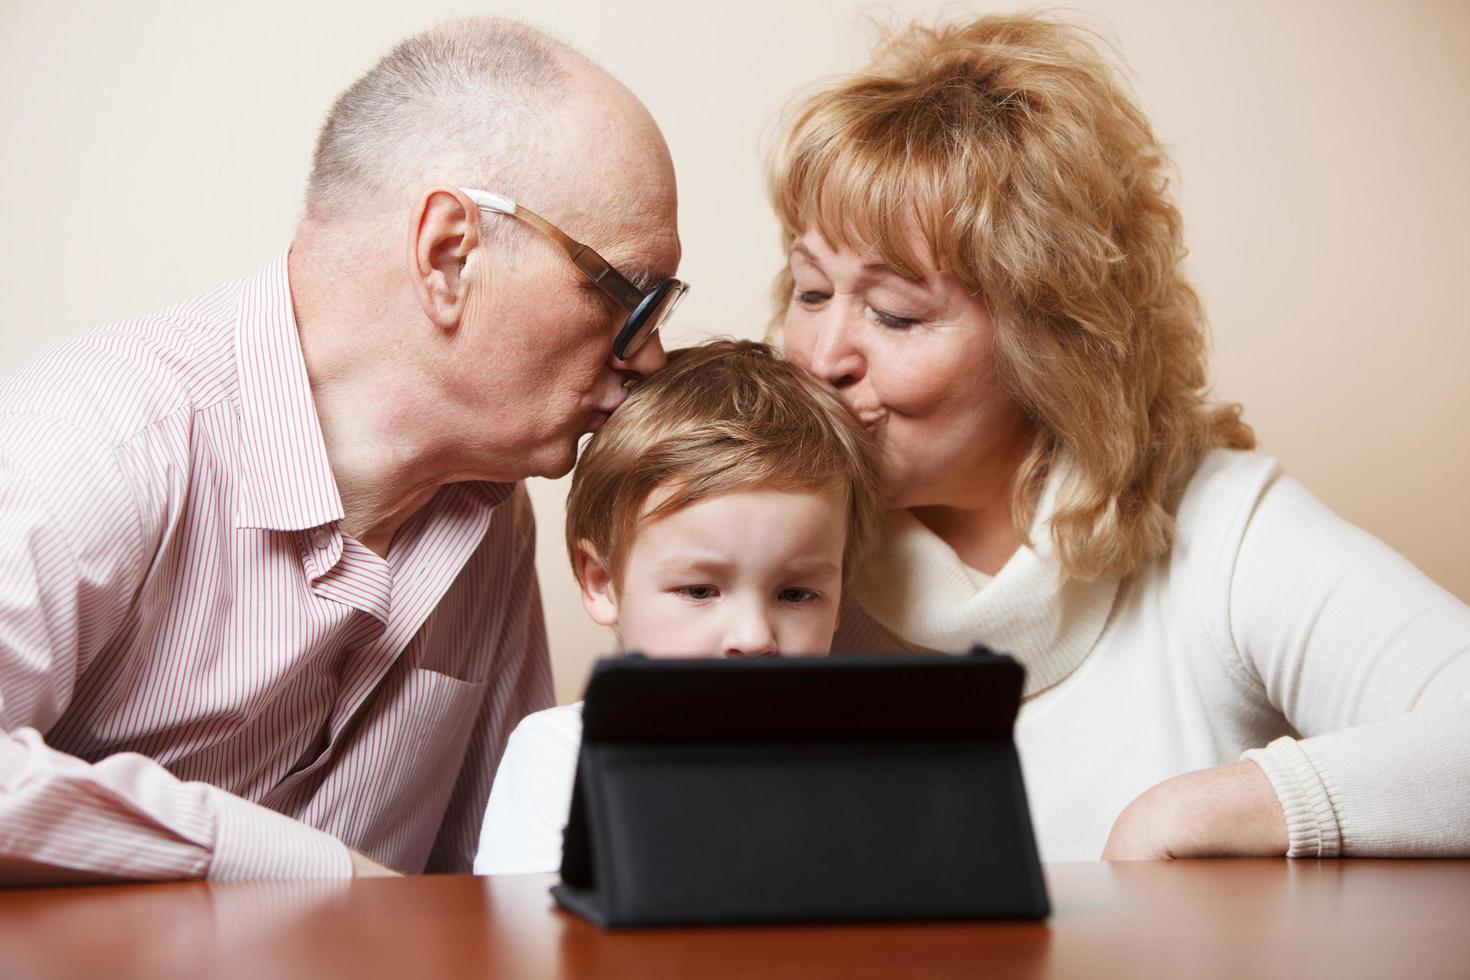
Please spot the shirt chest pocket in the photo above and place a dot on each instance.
(384, 784)
(415, 736)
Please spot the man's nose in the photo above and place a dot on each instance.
(751, 634)
(646, 360)
(832, 351)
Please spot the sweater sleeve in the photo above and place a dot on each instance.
(1369, 662)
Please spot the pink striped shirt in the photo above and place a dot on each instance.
(200, 673)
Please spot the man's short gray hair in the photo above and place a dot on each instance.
(457, 103)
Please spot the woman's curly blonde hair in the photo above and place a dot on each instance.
(1018, 154)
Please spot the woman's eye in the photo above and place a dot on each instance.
(798, 596)
(810, 297)
(893, 320)
(698, 592)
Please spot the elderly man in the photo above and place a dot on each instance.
(267, 602)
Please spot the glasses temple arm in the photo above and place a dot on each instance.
(596, 268)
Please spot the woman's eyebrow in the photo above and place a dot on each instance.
(797, 248)
(876, 267)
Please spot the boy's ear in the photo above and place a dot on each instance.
(598, 595)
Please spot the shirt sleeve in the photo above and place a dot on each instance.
(1369, 662)
(72, 554)
(520, 684)
(531, 799)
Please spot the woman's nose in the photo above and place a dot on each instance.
(828, 339)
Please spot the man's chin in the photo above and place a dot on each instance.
(554, 463)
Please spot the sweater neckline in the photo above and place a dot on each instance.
(916, 587)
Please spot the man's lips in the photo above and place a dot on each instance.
(601, 413)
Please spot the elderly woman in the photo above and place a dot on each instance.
(984, 262)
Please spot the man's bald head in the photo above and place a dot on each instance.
(471, 338)
(483, 102)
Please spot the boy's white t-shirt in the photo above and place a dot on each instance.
(532, 795)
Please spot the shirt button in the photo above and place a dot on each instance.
(319, 537)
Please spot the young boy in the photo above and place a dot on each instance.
(717, 513)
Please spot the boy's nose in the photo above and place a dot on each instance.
(751, 636)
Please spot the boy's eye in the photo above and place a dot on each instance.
(698, 592)
(799, 596)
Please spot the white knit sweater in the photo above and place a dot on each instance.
(1272, 629)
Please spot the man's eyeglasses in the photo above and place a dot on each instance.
(646, 311)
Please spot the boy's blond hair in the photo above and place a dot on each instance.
(728, 415)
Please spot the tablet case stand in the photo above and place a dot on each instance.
(800, 790)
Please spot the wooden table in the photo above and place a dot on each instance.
(1237, 919)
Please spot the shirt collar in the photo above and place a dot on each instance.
(493, 494)
(285, 481)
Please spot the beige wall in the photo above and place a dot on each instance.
(152, 148)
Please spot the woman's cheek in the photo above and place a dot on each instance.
(907, 392)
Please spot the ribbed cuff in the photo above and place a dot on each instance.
(251, 841)
(1311, 823)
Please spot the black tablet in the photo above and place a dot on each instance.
(852, 788)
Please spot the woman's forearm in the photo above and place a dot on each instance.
(1227, 811)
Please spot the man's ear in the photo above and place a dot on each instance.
(445, 232)
(598, 594)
